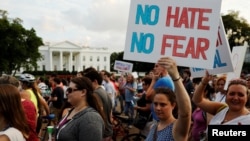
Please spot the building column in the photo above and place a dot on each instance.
(80, 62)
(61, 61)
(70, 61)
(51, 60)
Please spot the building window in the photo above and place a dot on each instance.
(105, 67)
(55, 68)
(44, 68)
(91, 58)
(73, 68)
(105, 59)
(73, 58)
(83, 67)
(98, 68)
(98, 58)
(83, 58)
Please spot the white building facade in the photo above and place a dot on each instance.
(68, 56)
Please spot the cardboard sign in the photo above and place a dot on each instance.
(123, 66)
(222, 58)
(238, 57)
(184, 30)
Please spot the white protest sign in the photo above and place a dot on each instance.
(238, 57)
(184, 30)
(123, 66)
(222, 60)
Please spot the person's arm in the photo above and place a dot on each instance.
(150, 91)
(44, 104)
(4, 138)
(183, 122)
(205, 104)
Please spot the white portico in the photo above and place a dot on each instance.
(71, 57)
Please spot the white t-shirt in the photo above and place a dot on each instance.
(13, 134)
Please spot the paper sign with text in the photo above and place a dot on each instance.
(184, 30)
(238, 57)
(123, 66)
(222, 58)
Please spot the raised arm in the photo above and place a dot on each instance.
(182, 124)
(198, 97)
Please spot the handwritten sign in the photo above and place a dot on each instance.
(123, 66)
(185, 30)
(238, 57)
(222, 58)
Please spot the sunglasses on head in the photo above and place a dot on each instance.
(70, 90)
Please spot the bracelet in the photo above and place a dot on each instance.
(177, 78)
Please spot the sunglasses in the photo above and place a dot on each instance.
(70, 90)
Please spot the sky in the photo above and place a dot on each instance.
(93, 23)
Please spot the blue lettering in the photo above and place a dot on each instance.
(217, 60)
(146, 15)
(197, 69)
(140, 43)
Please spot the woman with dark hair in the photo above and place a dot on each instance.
(13, 122)
(85, 121)
(165, 100)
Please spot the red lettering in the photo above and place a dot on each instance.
(183, 18)
(187, 17)
(202, 46)
(219, 41)
(195, 47)
(203, 19)
(174, 16)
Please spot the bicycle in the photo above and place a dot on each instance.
(119, 129)
(122, 130)
(46, 119)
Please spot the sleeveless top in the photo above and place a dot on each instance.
(162, 135)
(219, 117)
(13, 134)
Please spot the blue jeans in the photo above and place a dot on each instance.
(129, 111)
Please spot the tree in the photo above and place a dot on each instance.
(237, 29)
(19, 47)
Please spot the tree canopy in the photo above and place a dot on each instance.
(237, 29)
(19, 46)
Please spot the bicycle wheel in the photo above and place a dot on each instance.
(134, 137)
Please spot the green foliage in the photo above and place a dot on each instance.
(237, 29)
(19, 46)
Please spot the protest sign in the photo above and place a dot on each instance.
(123, 66)
(184, 30)
(222, 58)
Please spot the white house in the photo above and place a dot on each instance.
(71, 57)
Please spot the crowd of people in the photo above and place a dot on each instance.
(176, 106)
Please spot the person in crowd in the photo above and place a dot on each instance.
(79, 74)
(105, 102)
(122, 82)
(220, 96)
(65, 87)
(139, 85)
(85, 121)
(109, 87)
(28, 106)
(130, 91)
(188, 83)
(31, 92)
(233, 111)
(13, 122)
(44, 88)
(165, 100)
(143, 105)
(160, 78)
(200, 118)
(56, 99)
